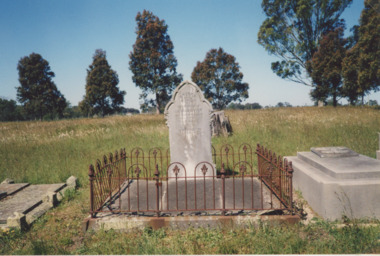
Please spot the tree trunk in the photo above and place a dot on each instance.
(334, 100)
(220, 124)
(157, 104)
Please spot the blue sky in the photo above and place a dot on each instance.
(66, 33)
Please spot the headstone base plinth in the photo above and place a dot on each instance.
(335, 185)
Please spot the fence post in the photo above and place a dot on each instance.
(156, 174)
(291, 185)
(109, 172)
(91, 177)
(223, 172)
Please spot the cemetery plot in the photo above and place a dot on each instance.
(140, 184)
(192, 176)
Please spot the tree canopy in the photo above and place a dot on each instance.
(152, 61)
(10, 111)
(326, 67)
(103, 97)
(293, 29)
(361, 67)
(37, 92)
(219, 76)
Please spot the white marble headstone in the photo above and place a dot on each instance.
(188, 116)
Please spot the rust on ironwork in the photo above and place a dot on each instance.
(176, 170)
(120, 170)
(204, 169)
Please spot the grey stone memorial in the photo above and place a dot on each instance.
(378, 151)
(337, 181)
(334, 152)
(188, 116)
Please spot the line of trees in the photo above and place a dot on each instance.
(153, 66)
(308, 38)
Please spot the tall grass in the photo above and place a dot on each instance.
(49, 152)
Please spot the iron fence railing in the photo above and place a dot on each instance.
(140, 183)
(277, 174)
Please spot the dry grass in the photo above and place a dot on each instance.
(49, 152)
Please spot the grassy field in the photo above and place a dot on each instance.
(50, 152)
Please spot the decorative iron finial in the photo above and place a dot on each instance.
(204, 169)
(176, 170)
(156, 172)
(243, 168)
(222, 171)
(137, 171)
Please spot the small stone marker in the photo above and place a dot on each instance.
(188, 116)
(334, 152)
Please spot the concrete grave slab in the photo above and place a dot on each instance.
(343, 168)
(208, 196)
(334, 152)
(337, 186)
(26, 200)
(12, 188)
(131, 224)
(378, 151)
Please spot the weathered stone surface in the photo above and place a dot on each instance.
(18, 220)
(334, 152)
(50, 198)
(355, 167)
(11, 188)
(208, 195)
(334, 187)
(25, 200)
(37, 212)
(72, 182)
(188, 116)
(378, 151)
(220, 124)
(131, 224)
(7, 181)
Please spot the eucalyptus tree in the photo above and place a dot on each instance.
(37, 92)
(219, 76)
(152, 61)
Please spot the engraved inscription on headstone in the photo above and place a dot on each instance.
(188, 116)
(334, 152)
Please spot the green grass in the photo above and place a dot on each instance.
(50, 152)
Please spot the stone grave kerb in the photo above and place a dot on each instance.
(188, 116)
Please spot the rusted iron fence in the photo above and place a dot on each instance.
(277, 174)
(147, 183)
(106, 179)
